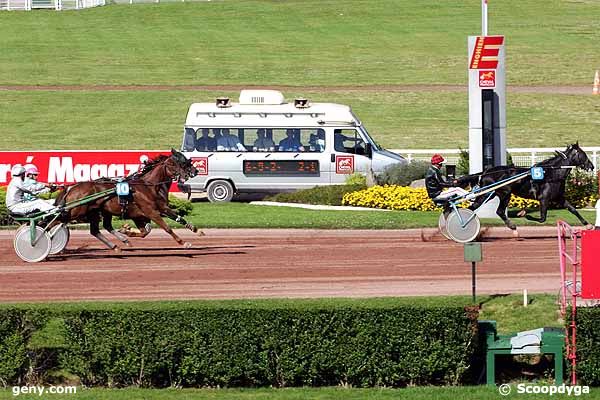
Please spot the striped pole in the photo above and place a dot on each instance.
(484, 17)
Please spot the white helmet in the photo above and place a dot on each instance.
(17, 170)
(31, 169)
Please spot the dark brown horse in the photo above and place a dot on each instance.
(148, 200)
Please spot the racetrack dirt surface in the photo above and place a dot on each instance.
(236, 263)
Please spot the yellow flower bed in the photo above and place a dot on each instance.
(519, 202)
(391, 197)
(394, 197)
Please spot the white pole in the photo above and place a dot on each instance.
(525, 300)
(484, 17)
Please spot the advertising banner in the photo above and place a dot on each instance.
(67, 167)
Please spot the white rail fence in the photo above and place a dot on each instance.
(27, 5)
(523, 157)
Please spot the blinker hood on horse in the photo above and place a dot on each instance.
(147, 200)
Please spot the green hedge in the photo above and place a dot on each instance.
(326, 195)
(588, 345)
(16, 329)
(362, 343)
(5, 219)
(403, 174)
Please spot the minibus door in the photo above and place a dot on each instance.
(350, 154)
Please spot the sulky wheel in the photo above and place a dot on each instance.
(442, 226)
(60, 237)
(463, 228)
(32, 251)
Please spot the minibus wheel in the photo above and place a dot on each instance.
(220, 191)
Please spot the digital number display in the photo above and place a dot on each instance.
(281, 167)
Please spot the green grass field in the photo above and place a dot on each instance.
(296, 42)
(39, 120)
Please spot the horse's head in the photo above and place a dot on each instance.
(179, 166)
(578, 158)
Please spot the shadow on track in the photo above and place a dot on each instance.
(92, 254)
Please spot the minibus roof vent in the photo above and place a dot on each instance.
(267, 97)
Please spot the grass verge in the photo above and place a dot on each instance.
(414, 393)
(240, 215)
(154, 119)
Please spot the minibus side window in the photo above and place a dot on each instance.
(205, 141)
(316, 140)
(260, 140)
(189, 140)
(289, 140)
(228, 139)
(298, 140)
(348, 141)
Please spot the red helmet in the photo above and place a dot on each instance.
(437, 159)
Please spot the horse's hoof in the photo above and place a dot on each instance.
(128, 243)
(521, 213)
(516, 235)
(117, 249)
(200, 233)
(187, 245)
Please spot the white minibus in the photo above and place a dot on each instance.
(265, 144)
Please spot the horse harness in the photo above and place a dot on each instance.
(125, 190)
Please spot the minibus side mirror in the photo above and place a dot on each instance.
(369, 150)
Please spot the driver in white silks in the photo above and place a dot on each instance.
(16, 200)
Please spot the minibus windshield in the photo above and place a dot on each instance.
(369, 139)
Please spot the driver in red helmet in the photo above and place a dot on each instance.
(434, 180)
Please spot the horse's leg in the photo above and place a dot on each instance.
(143, 226)
(95, 231)
(543, 212)
(180, 220)
(154, 215)
(107, 224)
(504, 198)
(477, 203)
(574, 211)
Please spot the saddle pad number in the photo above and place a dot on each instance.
(537, 173)
(122, 189)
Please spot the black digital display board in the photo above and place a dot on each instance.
(281, 167)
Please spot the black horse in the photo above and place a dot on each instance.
(549, 191)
